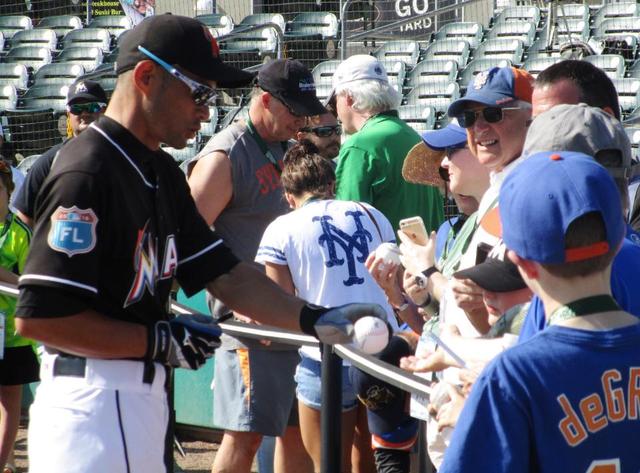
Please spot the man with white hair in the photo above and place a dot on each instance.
(370, 161)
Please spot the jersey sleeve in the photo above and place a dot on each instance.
(354, 176)
(203, 255)
(25, 198)
(272, 247)
(492, 433)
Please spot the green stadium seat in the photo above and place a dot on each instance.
(519, 13)
(323, 72)
(263, 19)
(11, 24)
(249, 48)
(89, 57)
(511, 49)
(615, 10)
(396, 72)
(470, 31)
(407, 51)
(50, 96)
(522, 30)
(429, 69)
(535, 65)
(31, 56)
(319, 25)
(612, 64)
(619, 27)
(61, 24)
(419, 117)
(634, 70)
(576, 11)
(8, 97)
(40, 37)
(89, 37)
(218, 24)
(449, 49)
(437, 93)
(115, 24)
(16, 75)
(58, 73)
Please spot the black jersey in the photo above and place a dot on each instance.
(115, 222)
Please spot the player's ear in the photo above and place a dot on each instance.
(143, 75)
(528, 267)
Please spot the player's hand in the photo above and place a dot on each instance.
(416, 258)
(186, 341)
(335, 325)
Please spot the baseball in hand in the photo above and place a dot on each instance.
(389, 253)
(370, 335)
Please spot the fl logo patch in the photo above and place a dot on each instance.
(73, 230)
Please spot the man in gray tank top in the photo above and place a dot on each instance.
(235, 181)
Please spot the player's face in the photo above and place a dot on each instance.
(283, 122)
(547, 96)
(467, 177)
(497, 303)
(177, 116)
(329, 146)
(497, 144)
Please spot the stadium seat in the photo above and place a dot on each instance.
(319, 25)
(449, 49)
(576, 11)
(218, 24)
(430, 69)
(15, 75)
(535, 65)
(31, 56)
(46, 96)
(263, 19)
(114, 24)
(396, 72)
(634, 70)
(419, 117)
(61, 24)
(232, 115)
(8, 97)
(208, 128)
(522, 30)
(612, 64)
(634, 136)
(89, 37)
(2, 42)
(628, 93)
(510, 49)
(633, 119)
(619, 26)
(323, 72)
(407, 51)
(58, 73)
(249, 48)
(478, 65)
(469, 31)
(322, 91)
(616, 10)
(519, 13)
(88, 57)
(40, 38)
(437, 93)
(11, 24)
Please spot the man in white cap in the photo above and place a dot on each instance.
(370, 161)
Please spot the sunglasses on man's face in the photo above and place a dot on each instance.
(200, 93)
(91, 107)
(467, 118)
(323, 131)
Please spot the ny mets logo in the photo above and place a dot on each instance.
(73, 230)
(354, 247)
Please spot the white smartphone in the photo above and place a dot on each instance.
(414, 228)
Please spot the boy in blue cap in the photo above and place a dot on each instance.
(573, 389)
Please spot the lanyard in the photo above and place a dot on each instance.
(585, 306)
(263, 146)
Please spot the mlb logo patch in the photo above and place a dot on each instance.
(73, 230)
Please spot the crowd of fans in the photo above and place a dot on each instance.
(535, 277)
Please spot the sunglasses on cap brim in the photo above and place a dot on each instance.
(467, 118)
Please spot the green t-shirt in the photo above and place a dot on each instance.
(370, 170)
(15, 237)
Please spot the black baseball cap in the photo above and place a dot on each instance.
(180, 41)
(84, 91)
(291, 82)
(496, 273)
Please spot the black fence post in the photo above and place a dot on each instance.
(331, 411)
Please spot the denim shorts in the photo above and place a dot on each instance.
(308, 390)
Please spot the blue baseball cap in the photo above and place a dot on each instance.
(451, 136)
(543, 195)
(495, 88)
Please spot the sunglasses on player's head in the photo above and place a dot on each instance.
(200, 93)
(324, 131)
(467, 118)
(91, 107)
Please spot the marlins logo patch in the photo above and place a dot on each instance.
(73, 230)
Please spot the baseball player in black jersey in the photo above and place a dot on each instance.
(113, 230)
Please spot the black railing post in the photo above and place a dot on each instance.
(331, 411)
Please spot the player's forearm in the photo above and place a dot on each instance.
(88, 334)
(246, 290)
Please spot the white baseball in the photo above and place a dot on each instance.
(371, 335)
(389, 253)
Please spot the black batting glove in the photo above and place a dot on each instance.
(186, 341)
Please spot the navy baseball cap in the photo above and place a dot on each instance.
(495, 88)
(84, 91)
(291, 82)
(451, 136)
(180, 41)
(543, 195)
(496, 273)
